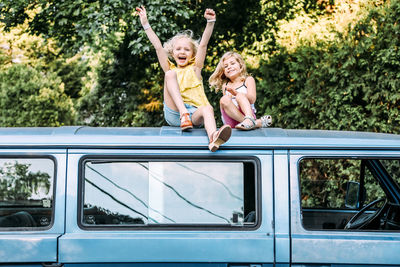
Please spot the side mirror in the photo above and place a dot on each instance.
(352, 195)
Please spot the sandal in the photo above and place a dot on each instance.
(186, 123)
(246, 127)
(266, 121)
(223, 135)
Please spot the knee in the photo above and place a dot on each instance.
(207, 110)
(240, 96)
(225, 100)
(170, 74)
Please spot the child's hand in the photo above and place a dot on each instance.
(231, 90)
(209, 14)
(141, 11)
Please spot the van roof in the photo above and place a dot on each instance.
(173, 137)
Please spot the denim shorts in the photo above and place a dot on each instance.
(172, 117)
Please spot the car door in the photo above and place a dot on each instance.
(320, 232)
(169, 206)
(32, 201)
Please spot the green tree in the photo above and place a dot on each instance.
(19, 47)
(58, 78)
(29, 97)
(350, 83)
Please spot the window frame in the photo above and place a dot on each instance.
(352, 155)
(328, 244)
(255, 161)
(54, 190)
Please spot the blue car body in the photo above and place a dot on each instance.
(72, 228)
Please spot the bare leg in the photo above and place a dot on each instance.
(172, 95)
(245, 106)
(205, 115)
(216, 138)
(230, 108)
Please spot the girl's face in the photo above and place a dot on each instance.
(232, 68)
(182, 52)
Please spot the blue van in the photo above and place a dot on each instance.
(82, 196)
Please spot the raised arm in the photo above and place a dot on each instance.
(155, 41)
(210, 16)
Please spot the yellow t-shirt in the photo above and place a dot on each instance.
(191, 88)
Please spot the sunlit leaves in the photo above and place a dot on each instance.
(350, 83)
(29, 97)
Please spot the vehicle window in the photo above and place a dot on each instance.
(26, 192)
(393, 167)
(154, 193)
(325, 196)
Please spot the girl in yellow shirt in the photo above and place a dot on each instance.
(185, 102)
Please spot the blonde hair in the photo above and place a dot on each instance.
(218, 78)
(188, 34)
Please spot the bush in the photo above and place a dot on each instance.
(32, 98)
(347, 84)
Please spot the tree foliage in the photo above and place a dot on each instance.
(29, 97)
(350, 83)
(58, 78)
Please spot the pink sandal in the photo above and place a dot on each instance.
(223, 135)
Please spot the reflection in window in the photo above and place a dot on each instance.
(165, 193)
(26, 192)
